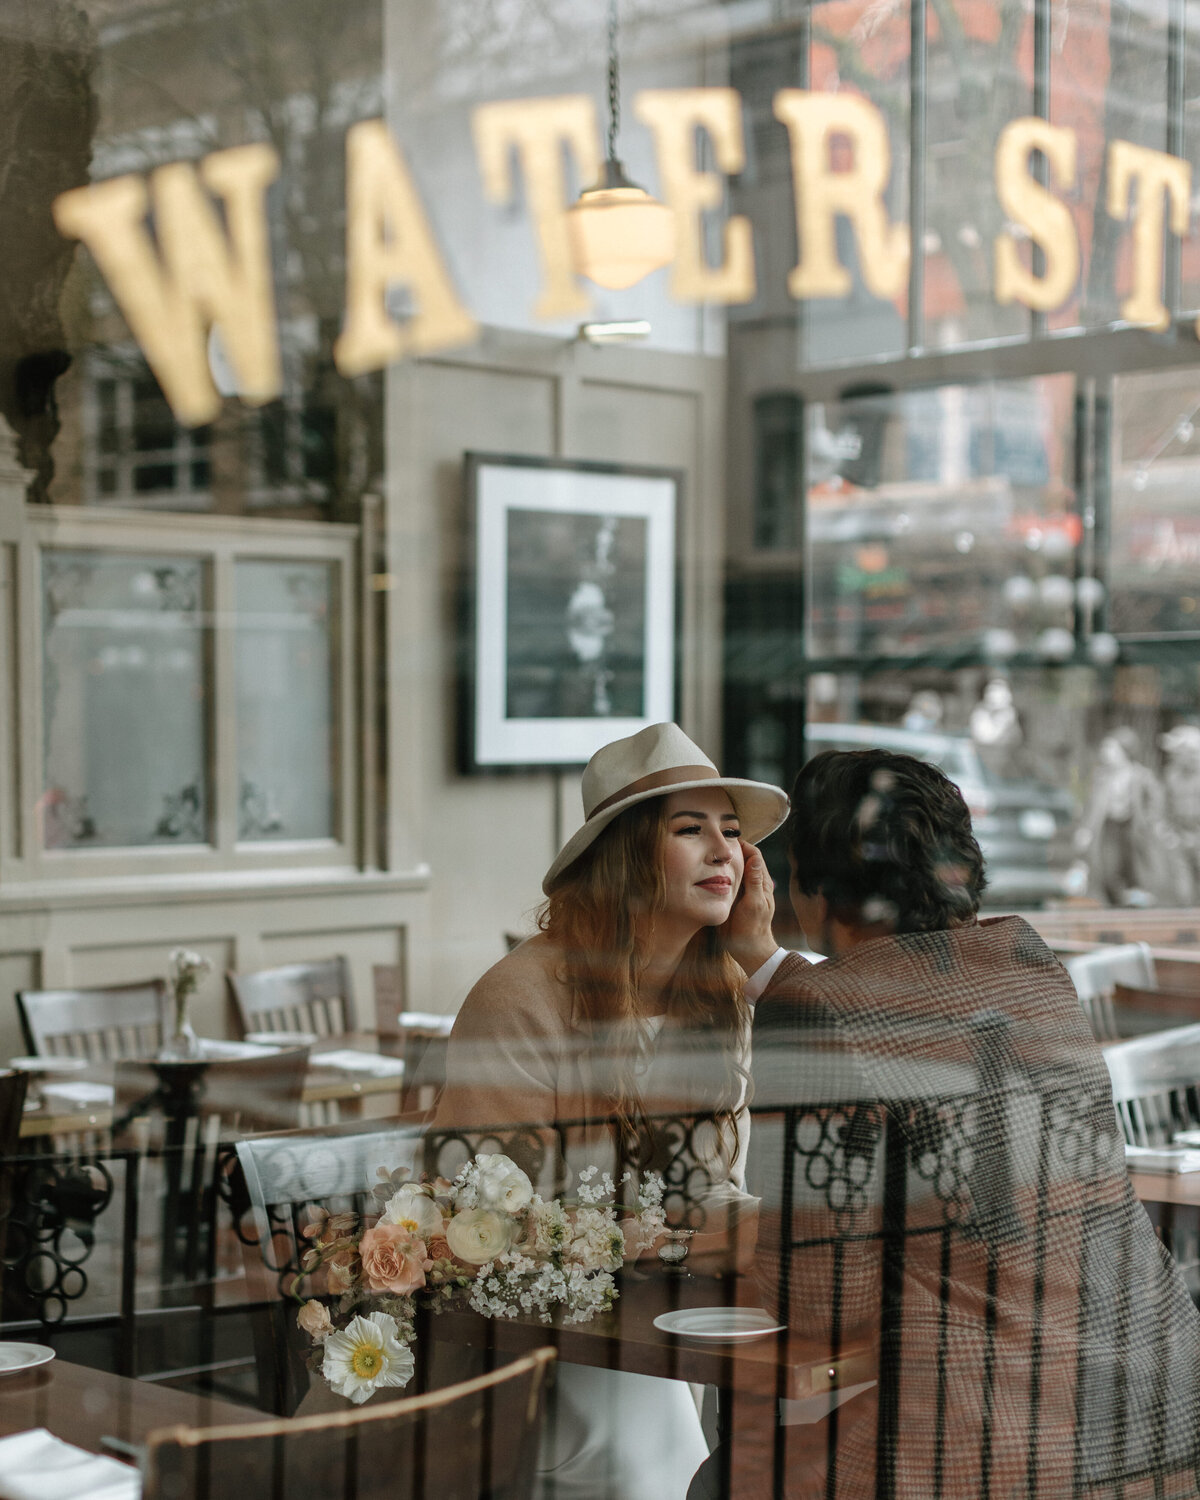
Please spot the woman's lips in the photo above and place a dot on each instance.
(719, 884)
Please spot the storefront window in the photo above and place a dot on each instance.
(448, 448)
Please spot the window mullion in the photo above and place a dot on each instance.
(223, 766)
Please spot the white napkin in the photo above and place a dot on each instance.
(218, 1050)
(359, 1062)
(78, 1093)
(426, 1020)
(35, 1465)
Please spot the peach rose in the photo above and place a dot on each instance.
(392, 1259)
(314, 1319)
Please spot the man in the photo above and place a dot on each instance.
(960, 1225)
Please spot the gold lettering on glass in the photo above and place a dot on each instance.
(202, 275)
(1047, 219)
(822, 192)
(1155, 174)
(674, 116)
(538, 129)
(389, 243)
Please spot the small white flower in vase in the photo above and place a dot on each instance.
(185, 970)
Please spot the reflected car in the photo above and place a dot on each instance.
(1024, 826)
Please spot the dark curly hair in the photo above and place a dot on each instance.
(885, 838)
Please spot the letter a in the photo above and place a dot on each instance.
(389, 243)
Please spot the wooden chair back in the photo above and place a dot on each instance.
(1156, 1084)
(116, 1021)
(478, 1437)
(316, 997)
(391, 999)
(1095, 974)
(425, 1040)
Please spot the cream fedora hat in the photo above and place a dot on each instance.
(657, 760)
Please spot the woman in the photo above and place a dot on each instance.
(626, 1003)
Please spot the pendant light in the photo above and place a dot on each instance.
(619, 233)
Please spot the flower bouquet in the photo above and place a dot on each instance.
(486, 1239)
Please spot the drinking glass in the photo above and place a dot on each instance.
(673, 1251)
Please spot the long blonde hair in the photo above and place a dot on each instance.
(593, 915)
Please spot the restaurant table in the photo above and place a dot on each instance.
(789, 1364)
(323, 1084)
(81, 1405)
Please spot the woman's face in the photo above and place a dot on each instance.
(702, 857)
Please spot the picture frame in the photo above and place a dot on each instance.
(571, 620)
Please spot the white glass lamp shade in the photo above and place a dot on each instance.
(619, 233)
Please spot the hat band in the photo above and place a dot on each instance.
(656, 779)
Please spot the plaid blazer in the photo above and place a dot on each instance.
(960, 1206)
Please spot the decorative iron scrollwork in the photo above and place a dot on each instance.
(50, 1235)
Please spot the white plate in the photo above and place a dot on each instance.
(48, 1064)
(23, 1357)
(719, 1324)
(281, 1038)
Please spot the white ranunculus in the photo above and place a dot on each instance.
(478, 1235)
(366, 1355)
(502, 1184)
(416, 1210)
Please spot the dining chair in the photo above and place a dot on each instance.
(474, 1438)
(115, 1021)
(182, 1119)
(317, 997)
(285, 1174)
(1094, 974)
(1156, 1084)
(12, 1104)
(187, 1115)
(391, 999)
(425, 1043)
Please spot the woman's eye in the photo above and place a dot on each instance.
(733, 833)
(691, 828)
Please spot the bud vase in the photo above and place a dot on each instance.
(182, 1043)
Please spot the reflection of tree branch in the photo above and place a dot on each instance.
(950, 25)
(851, 68)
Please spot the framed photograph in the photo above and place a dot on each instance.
(572, 607)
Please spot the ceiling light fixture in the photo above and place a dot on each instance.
(619, 233)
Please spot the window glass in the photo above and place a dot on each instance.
(1155, 568)
(124, 694)
(285, 700)
(979, 77)
(943, 520)
(1108, 81)
(858, 49)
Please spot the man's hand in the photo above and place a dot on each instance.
(748, 934)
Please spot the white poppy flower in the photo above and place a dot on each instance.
(502, 1184)
(415, 1210)
(366, 1355)
(477, 1235)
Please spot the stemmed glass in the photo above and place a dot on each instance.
(673, 1251)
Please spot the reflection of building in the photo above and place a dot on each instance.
(924, 506)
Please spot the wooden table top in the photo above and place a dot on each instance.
(626, 1339)
(321, 1085)
(1179, 1188)
(81, 1405)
